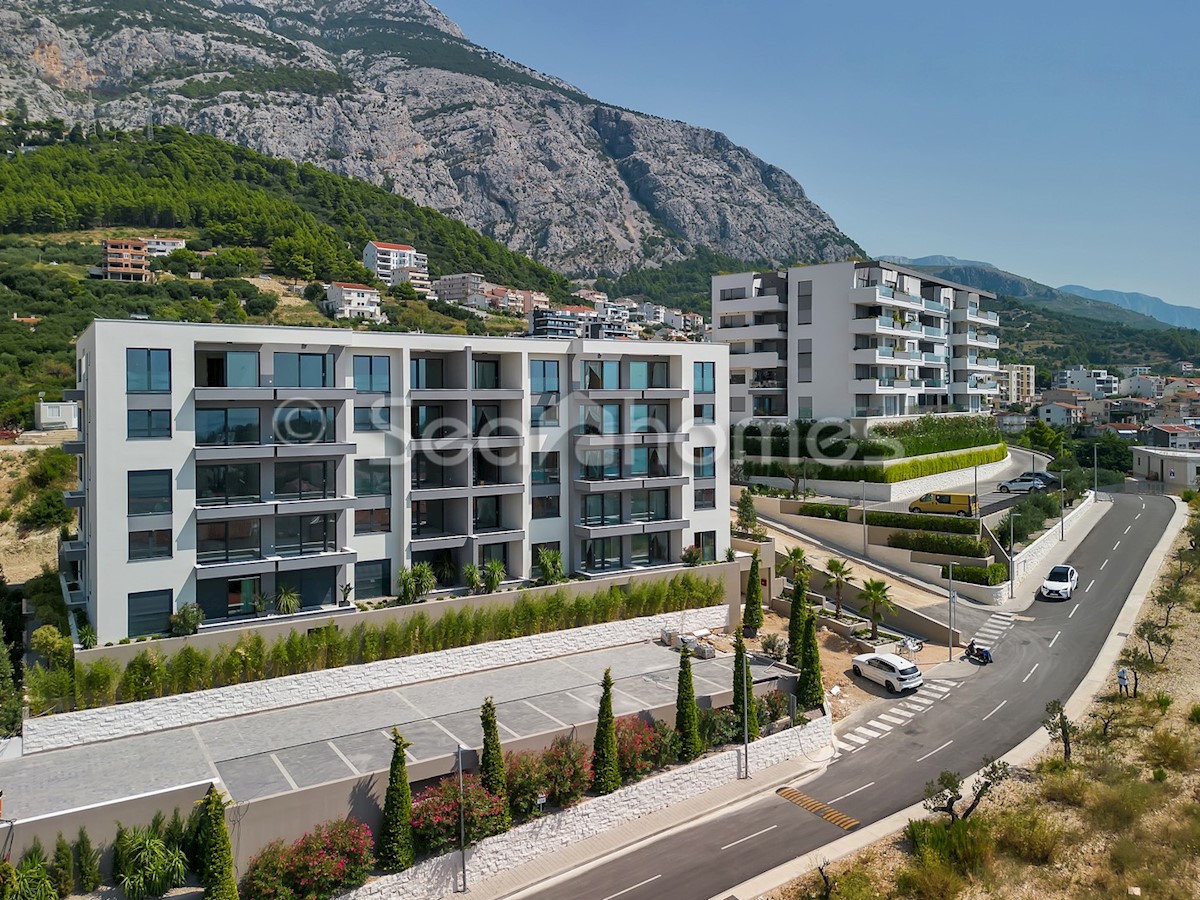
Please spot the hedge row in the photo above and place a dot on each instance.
(903, 471)
(996, 573)
(822, 511)
(916, 437)
(920, 522)
(932, 542)
(151, 674)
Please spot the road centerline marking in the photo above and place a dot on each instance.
(1103, 564)
(1127, 527)
(1138, 516)
(1089, 587)
(1072, 612)
(1055, 638)
(993, 712)
(1116, 545)
(931, 752)
(1031, 671)
(853, 792)
(633, 887)
(749, 836)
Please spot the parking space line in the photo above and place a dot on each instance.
(342, 756)
(512, 733)
(719, 685)
(560, 722)
(204, 753)
(576, 699)
(284, 772)
(412, 705)
(453, 736)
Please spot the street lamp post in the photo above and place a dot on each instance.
(1062, 512)
(1012, 556)
(462, 819)
(975, 499)
(1095, 471)
(864, 515)
(746, 701)
(950, 617)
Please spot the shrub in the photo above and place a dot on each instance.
(1161, 700)
(929, 877)
(48, 510)
(1029, 835)
(331, 859)
(774, 646)
(567, 765)
(89, 862)
(62, 871)
(30, 880)
(1169, 750)
(526, 779)
(1070, 788)
(822, 511)
(266, 876)
(145, 676)
(186, 621)
(143, 864)
(774, 706)
(435, 814)
(1193, 715)
(637, 748)
(1118, 807)
(966, 845)
(394, 846)
(214, 855)
(719, 727)
(687, 714)
(996, 573)
(921, 522)
(933, 542)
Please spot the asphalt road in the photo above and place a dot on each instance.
(990, 710)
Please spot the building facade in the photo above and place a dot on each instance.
(395, 264)
(854, 340)
(125, 259)
(1017, 383)
(1061, 415)
(458, 287)
(221, 463)
(1096, 382)
(345, 300)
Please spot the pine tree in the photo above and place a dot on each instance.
(687, 715)
(10, 697)
(606, 772)
(62, 870)
(89, 863)
(809, 692)
(217, 875)
(394, 847)
(752, 617)
(491, 765)
(743, 688)
(798, 618)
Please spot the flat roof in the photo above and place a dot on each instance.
(924, 276)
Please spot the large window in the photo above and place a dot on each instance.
(644, 374)
(601, 375)
(372, 579)
(705, 498)
(485, 418)
(704, 379)
(295, 535)
(427, 422)
(498, 552)
(648, 462)
(707, 542)
(704, 413)
(600, 418)
(305, 425)
(309, 480)
(600, 509)
(545, 507)
(425, 373)
(487, 374)
(429, 470)
(150, 492)
(602, 553)
(600, 465)
(545, 468)
(304, 370)
(232, 368)
(372, 374)
(543, 376)
(150, 544)
(219, 485)
(372, 521)
(487, 470)
(147, 371)
(487, 513)
(150, 612)
(543, 416)
(372, 418)
(217, 427)
(148, 423)
(704, 462)
(648, 418)
(428, 518)
(648, 506)
(234, 540)
(372, 478)
(647, 549)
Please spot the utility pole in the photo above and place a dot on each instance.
(1012, 556)
(950, 617)
(1095, 471)
(462, 819)
(746, 701)
(975, 498)
(864, 515)
(1062, 512)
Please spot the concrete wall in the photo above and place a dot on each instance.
(1028, 558)
(907, 620)
(90, 725)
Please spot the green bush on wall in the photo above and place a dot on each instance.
(932, 542)
(875, 474)
(996, 573)
(921, 522)
(822, 511)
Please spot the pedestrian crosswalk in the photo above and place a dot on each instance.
(994, 628)
(895, 718)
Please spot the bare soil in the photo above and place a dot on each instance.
(21, 555)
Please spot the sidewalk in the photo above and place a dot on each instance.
(602, 848)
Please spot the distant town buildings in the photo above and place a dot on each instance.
(1097, 382)
(159, 246)
(125, 259)
(1017, 383)
(1061, 415)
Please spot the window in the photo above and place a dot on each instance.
(150, 544)
(705, 498)
(310, 480)
(545, 468)
(372, 418)
(304, 370)
(543, 416)
(600, 509)
(150, 492)
(487, 469)
(484, 419)
(487, 374)
(295, 535)
(427, 422)
(704, 379)
(232, 541)
(600, 418)
(602, 553)
(647, 549)
(545, 507)
(543, 376)
(644, 374)
(428, 518)
(535, 570)
(425, 373)
(429, 471)
(150, 612)
(232, 368)
(372, 579)
(372, 374)
(704, 413)
(372, 478)
(648, 506)
(487, 513)
(648, 462)
(703, 463)
(372, 521)
(648, 418)
(223, 427)
(220, 485)
(707, 542)
(601, 375)
(498, 552)
(305, 425)
(147, 371)
(600, 465)
(148, 423)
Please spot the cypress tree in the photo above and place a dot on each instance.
(394, 848)
(63, 868)
(89, 862)
(687, 715)
(491, 765)
(217, 875)
(797, 619)
(10, 696)
(809, 691)
(743, 688)
(752, 617)
(606, 772)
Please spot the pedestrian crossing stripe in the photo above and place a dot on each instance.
(856, 739)
(816, 807)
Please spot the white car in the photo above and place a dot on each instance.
(1060, 584)
(894, 672)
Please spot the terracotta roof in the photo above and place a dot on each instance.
(1177, 429)
(354, 287)
(382, 246)
(1065, 405)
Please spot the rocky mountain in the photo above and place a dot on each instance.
(1155, 307)
(397, 95)
(935, 261)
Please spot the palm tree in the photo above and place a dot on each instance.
(795, 560)
(406, 586)
(840, 572)
(424, 581)
(494, 573)
(876, 598)
(471, 578)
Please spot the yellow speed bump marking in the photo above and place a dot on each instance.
(815, 806)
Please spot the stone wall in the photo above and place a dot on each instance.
(435, 878)
(110, 722)
(1028, 558)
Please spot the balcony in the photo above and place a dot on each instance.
(935, 307)
(978, 363)
(768, 385)
(73, 550)
(762, 303)
(885, 295)
(75, 447)
(976, 386)
(976, 338)
(75, 498)
(752, 332)
(934, 359)
(886, 385)
(755, 359)
(973, 313)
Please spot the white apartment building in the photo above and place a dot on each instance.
(458, 287)
(853, 340)
(1061, 415)
(1142, 385)
(1138, 370)
(345, 300)
(1096, 382)
(156, 246)
(395, 264)
(1016, 383)
(219, 463)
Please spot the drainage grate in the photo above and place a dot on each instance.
(815, 806)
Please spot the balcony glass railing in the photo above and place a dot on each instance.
(933, 332)
(935, 306)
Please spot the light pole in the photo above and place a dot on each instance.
(462, 819)
(864, 515)
(746, 701)
(1012, 556)
(950, 617)
(975, 498)
(1095, 471)
(1062, 511)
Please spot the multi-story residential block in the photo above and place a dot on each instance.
(1142, 385)
(854, 340)
(1138, 370)
(125, 259)
(1174, 437)
(395, 264)
(222, 463)
(160, 246)
(1096, 382)
(345, 300)
(553, 323)
(1184, 367)
(458, 287)
(1017, 383)
(653, 313)
(587, 295)
(1074, 396)
(1061, 415)
(1174, 386)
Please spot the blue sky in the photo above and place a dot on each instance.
(1056, 139)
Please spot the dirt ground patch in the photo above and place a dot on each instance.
(22, 554)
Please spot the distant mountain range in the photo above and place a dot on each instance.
(935, 261)
(1156, 307)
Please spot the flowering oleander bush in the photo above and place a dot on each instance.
(637, 748)
(266, 877)
(773, 706)
(333, 858)
(568, 768)
(435, 814)
(526, 777)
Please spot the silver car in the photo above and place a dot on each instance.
(1021, 485)
(894, 672)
